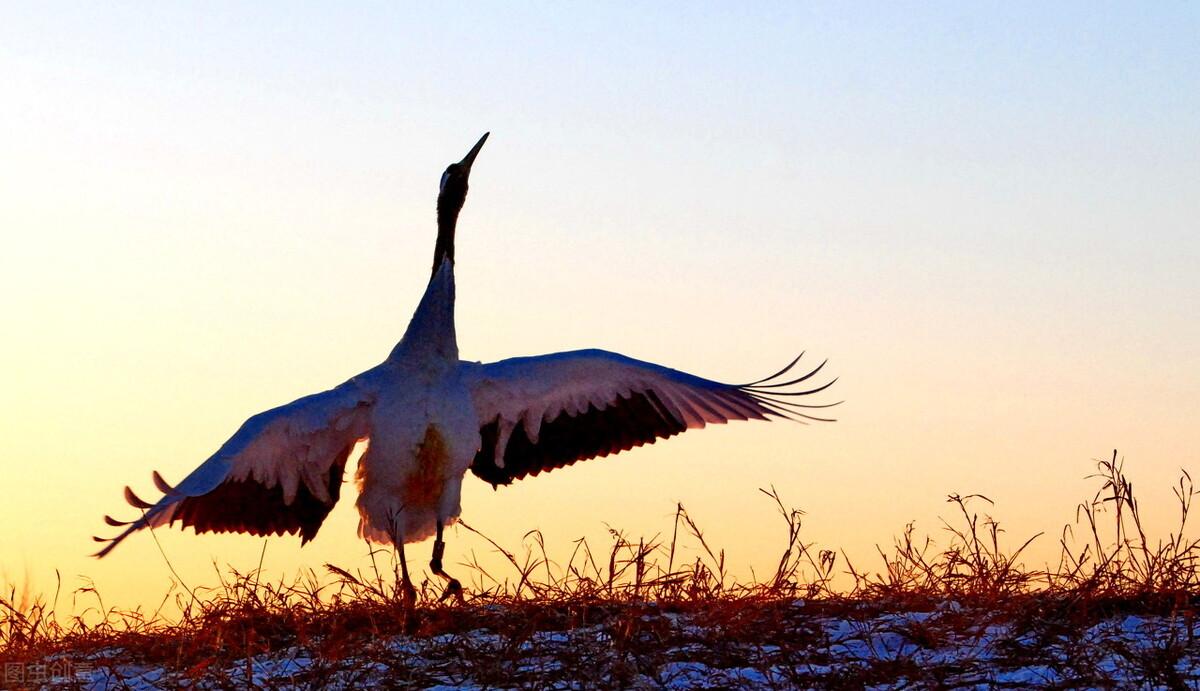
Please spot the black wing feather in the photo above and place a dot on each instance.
(248, 506)
(626, 423)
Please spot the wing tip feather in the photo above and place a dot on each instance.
(135, 501)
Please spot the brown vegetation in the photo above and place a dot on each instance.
(1117, 610)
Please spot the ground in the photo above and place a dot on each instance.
(753, 644)
(1118, 611)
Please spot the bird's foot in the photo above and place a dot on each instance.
(453, 588)
(408, 594)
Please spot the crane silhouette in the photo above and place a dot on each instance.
(428, 417)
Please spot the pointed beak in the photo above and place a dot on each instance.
(470, 157)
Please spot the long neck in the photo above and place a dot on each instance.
(430, 336)
(447, 218)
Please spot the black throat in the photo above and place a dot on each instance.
(451, 196)
(450, 202)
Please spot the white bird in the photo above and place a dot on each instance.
(428, 417)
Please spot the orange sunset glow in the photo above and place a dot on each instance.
(986, 220)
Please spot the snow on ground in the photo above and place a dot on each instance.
(947, 646)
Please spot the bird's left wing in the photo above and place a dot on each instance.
(280, 473)
(541, 413)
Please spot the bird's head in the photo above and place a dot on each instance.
(453, 191)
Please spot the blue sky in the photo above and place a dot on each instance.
(985, 215)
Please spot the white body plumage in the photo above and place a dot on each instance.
(424, 430)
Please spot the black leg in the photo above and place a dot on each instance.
(453, 587)
(410, 593)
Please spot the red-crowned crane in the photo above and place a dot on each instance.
(429, 417)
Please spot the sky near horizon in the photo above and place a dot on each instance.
(985, 217)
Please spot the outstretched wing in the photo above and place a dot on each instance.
(280, 473)
(546, 412)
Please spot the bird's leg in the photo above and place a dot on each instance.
(453, 587)
(408, 597)
(410, 593)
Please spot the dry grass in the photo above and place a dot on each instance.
(633, 614)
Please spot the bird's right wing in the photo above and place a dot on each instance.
(280, 473)
(541, 413)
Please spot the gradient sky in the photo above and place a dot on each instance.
(985, 217)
